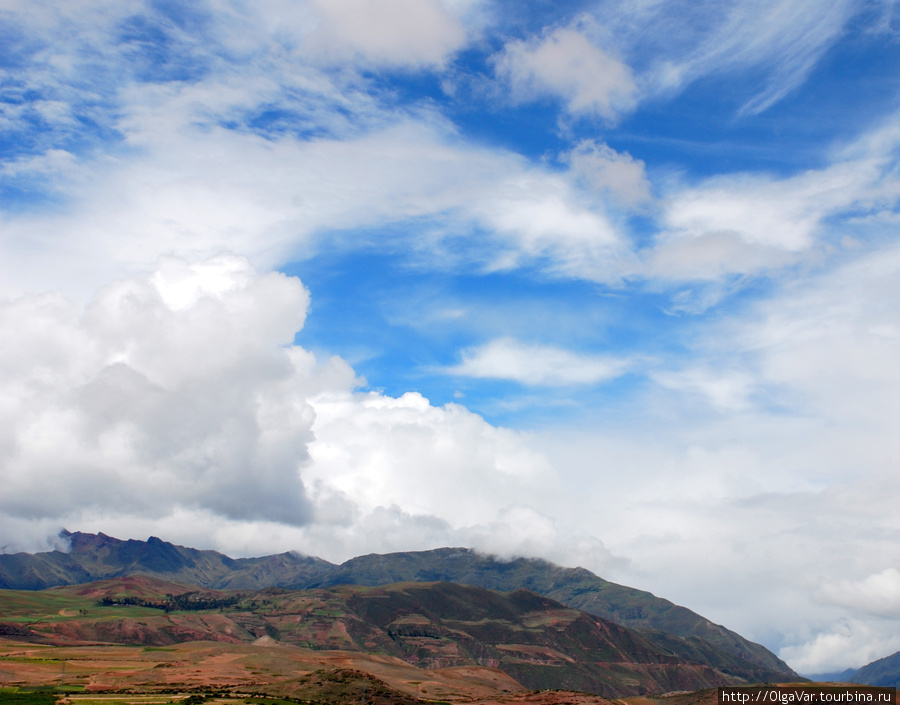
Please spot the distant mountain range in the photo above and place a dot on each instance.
(669, 628)
(885, 672)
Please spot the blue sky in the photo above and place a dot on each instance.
(611, 283)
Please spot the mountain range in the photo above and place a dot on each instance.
(883, 672)
(536, 642)
(666, 627)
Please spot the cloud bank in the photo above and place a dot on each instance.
(179, 397)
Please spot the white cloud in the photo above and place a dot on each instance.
(673, 44)
(787, 36)
(848, 644)
(610, 172)
(746, 224)
(380, 451)
(505, 358)
(175, 404)
(392, 32)
(143, 406)
(564, 63)
(768, 212)
(758, 476)
(194, 192)
(191, 188)
(877, 594)
(726, 390)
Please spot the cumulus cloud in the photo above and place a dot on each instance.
(603, 169)
(177, 399)
(306, 152)
(391, 32)
(506, 358)
(167, 390)
(563, 63)
(264, 188)
(381, 451)
(174, 401)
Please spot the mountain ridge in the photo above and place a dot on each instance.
(884, 672)
(671, 627)
(537, 642)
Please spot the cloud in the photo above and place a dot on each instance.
(563, 63)
(769, 449)
(415, 33)
(767, 212)
(505, 358)
(877, 594)
(788, 37)
(178, 399)
(726, 390)
(673, 44)
(383, 451)
(196, 191)
(848, 644)
(750, 223)
(164, 392)
(309, 152)
(609, 172)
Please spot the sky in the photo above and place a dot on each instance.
(611, 283)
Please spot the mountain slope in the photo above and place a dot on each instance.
(672, 628)
(697, 637)
(536, 641)
(884, 672)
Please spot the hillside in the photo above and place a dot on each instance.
(884, 672)
(674, 629)
(536, 641)
(670, 626)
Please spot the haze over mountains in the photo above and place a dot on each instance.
(657, 623)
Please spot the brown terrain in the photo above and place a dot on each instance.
(403, 643)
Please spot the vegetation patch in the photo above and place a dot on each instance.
(35, 698)
(185, 602)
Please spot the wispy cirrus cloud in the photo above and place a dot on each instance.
(671, 45)
(784, 37)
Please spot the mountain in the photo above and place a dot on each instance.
(538, 642)
(884, 672)
(670, 626)
(675, 629)
(844, 676)
(98, 556)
